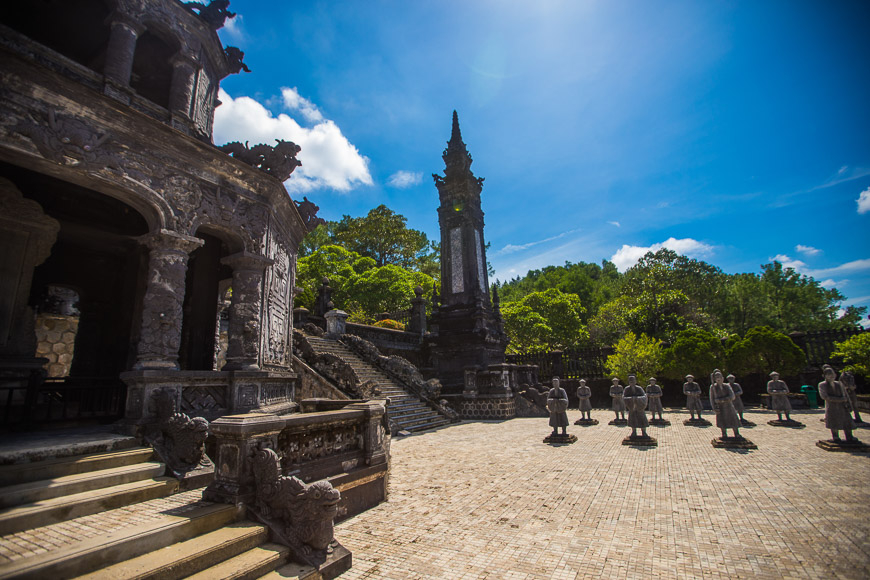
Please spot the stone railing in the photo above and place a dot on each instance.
(350, 447)
(334, 369)
(402, 371)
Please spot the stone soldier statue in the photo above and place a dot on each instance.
(848, 382)
(738, 391)
(778, 391)
(616, 391)
(557, 405)
(692, 390)
(836, 406)
(635, 404)
(654, 397)
(722, 400)
(584, 393)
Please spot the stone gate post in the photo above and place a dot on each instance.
(243, 344)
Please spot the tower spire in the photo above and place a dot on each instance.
(456, 134)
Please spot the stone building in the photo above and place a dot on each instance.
(113, 196)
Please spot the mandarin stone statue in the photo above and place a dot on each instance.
(778, 391)
(654, 401)
(616, 392)
(584, 394)
(848, 382)
(635, 403)
(557, 405)
(837, 417)
(738, 401)
(722, 400)
(692, 390)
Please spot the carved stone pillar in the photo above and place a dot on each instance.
(336, 323)
(122, 47)
(243, 346)
(181, 91)
(417, 322)
(164, 294)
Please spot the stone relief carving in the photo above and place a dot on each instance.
(177, 439)
(278, 309)
(300, 515)
(67, 140)
(317, 443)
(278, 160)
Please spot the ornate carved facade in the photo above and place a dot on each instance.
(105, 151)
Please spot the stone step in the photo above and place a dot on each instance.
(293, 571)
(427, 426)
(413, 414)
(250, 564)
(182, 559)
(120, 545)
(58, 509)
(63, 466)
(34, 491)
(414, 424)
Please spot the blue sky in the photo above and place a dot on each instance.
(735, 132)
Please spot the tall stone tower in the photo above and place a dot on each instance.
(467, 327)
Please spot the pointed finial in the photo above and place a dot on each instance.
(455, 135)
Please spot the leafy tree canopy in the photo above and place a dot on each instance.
(639, 355)
(764, 350)
(855, 353)
(549, 320)
(695, 351)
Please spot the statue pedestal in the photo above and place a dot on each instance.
(853, 446)
(586, 422)
(560, 439)
(733, 443)
(697, 422)
(641, 441)
(619, 422)
(791, 423)
(659, 422)
(745, 423)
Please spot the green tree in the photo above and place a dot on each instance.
(854, 352)
(333, 262)
(316, 238)
(384, 289)
(694, 351)
(549, 320)
(764, 350)
(746, 303)
(639, 355)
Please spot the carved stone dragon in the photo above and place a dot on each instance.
(300, 515)
(215, 13)
(277, 160)
(178, 439)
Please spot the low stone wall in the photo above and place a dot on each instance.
(349, 447)
(486, 407)
(310, 385)
(407, 345)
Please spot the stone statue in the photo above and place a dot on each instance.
(837, 406)
(635, 403)
(215, 14)
(584, 394)
(778, 391)
(178, 439)
(738, 401)
(308, 212)
(848, 382)
(557, 405)
(300, 515)
(616, 393)
(279, 160)
(235, 57)
(722, 400)
(654, 397)
(692, 390)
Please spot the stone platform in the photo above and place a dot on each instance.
(848, 446)
(586, 422)
(733, 443)
(521, 510)
(791, 424)
(560, 439)
(640, 441)
(659, 422)
(747, 423)
(619, 422)
(697, 422)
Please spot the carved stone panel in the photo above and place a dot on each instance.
(278, 316)
(457, 284)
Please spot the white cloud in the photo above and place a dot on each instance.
(511, 248)
(831, 283)
(233, 28)
(614, 224)
(627, 256)
(808, 250)
(295, 102)
(402, 179)
(864, 201)
(819, 273)
(329, 160)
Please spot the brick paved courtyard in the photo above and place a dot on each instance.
(490, 500)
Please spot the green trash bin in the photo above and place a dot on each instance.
(812, 396)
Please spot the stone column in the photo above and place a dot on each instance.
(161, 312)
(181, 91)
(122, 47)
(243, 347)
(336, 323)
(417, 322)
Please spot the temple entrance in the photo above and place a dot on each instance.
(83, 298)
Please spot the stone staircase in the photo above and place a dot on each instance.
(406, 409)
(110, 514)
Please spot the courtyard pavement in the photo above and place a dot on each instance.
(491, 500)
